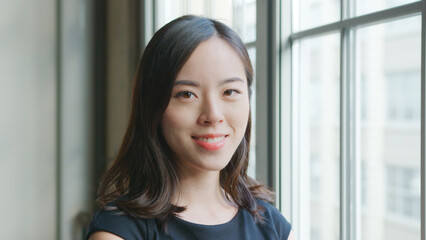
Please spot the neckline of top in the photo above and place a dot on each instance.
(233, 219)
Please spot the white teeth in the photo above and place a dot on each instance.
(211, 140)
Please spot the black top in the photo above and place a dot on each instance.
(242, 226)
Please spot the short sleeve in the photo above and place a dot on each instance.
(124, 226)
(282, 225)
(278, 221)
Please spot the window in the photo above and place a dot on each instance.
(403, 192)
(318, 67)
(401, 107)
(389, 132)
(353, 91)
(316, 12)
(365, 6)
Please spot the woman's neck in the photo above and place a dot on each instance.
(204, 199)
(200, 189)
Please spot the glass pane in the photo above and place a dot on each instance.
(368, 6)
(168, 10)
(319, 137)
(28, 117)
(389, 76)
(245, 19)
(238, 14)
(313, 13)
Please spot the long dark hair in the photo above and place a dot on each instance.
(143, 179)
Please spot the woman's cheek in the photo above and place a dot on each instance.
(178, 115)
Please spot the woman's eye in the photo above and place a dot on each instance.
(231, 92)
(185, 95)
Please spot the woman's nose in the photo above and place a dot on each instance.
(211, 113)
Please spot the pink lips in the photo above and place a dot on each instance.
(211, 142)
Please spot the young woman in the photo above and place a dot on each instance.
(181, 172)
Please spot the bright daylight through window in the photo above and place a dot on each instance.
(356, 111)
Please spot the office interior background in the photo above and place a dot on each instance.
(338, 108)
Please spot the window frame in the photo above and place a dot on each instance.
(350, 186)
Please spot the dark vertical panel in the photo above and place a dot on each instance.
(100, 79)
(135, 33)
(272, 81)
(99, 95)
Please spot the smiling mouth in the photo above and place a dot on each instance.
(212, 143)
(210, 140)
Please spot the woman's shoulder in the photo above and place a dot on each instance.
(275, 218)
(120, 224)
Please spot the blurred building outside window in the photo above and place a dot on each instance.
(383, 99)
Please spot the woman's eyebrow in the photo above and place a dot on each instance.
(230, 80)
(195, 84)
(186, 82)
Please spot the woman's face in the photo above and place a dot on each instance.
(208, 112)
